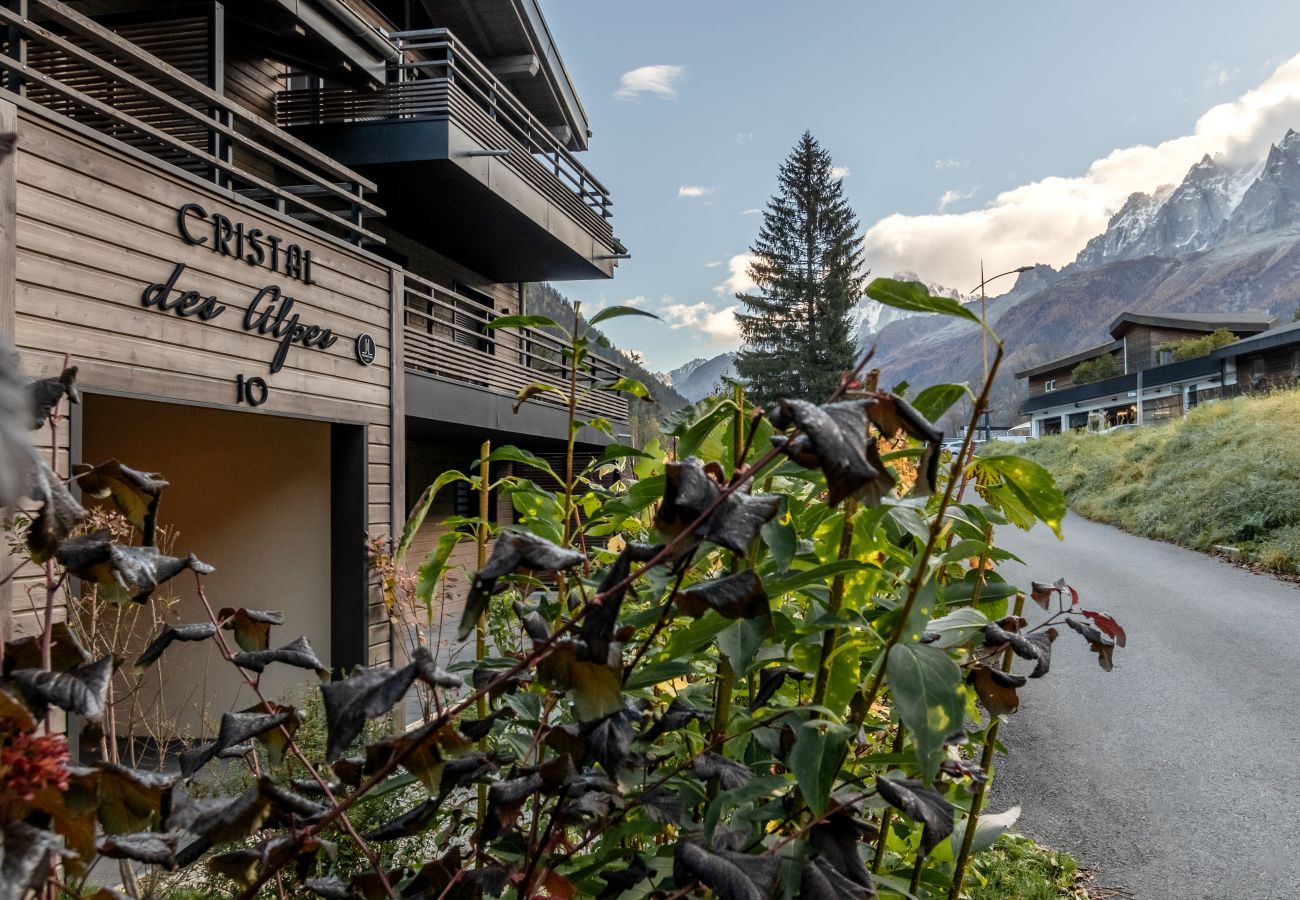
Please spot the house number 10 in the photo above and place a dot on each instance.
(252, 391)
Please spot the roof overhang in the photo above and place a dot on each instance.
(1237, 323)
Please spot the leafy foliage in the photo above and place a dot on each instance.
(732, 668)
(1098, 369)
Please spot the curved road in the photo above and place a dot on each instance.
(1175, 775)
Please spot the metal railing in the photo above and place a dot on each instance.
(439, 78)
(78, 68)
(447, 335)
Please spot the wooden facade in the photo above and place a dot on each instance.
(160, 230)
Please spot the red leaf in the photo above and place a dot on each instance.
(1041, 593)
(1074, 595)
(1107, 626)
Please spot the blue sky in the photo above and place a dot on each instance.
(930, 107)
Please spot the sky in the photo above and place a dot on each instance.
(1005, 132)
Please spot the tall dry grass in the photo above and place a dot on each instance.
(1229, 473)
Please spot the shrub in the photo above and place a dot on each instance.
(1098, 369)
(1195, 348)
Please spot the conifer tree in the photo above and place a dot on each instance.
(807, 270)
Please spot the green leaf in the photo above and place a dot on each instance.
(815, 760)
(693, 436)
(914, 296)
(699, 633)
(1032, 484)
(655, 673)
(927, 689)
(620, 451)
(614, 312)
(626, 386)
(937, 399)
(958, 627)
(532, 390)
(523, 457)
(432, 568)
(416, 519)
(781, 541)
(794, 581)
(526, 322)
(987, 830)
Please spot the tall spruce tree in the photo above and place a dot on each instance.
(807, 270)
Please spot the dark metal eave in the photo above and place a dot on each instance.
(345, 33)
(475, 210)
(1156, 376)
(434, 404)
(1268, 340)
(1238, 323)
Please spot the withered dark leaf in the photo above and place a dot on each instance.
(241, 727)
(26, 860)
(819, 880)
(1042, 641)
(995, 635)
(1041, 593)
(219, 820)
(663, 805)
(505, 801)
(1107, 625)
(836, 841)
(66, 651)
(689, 492)
(770, 681)
(594, 686)
(293, 808)
(298, 653)
(135, 572)
(534, 625)
(920, 804)
(421, 752)
(996, 689)
(136, 494)
(132, 800)
(366, 695)
(477, 729)
(150, 847)
(433, 674)
(726, 879)
(198, 631)
(47, 392)
(416, 820)
(609, 740)
(730, 774)
(331, 888)
(83, 691)
(678, 715)
(465, 769)
(620, 881)
(1100, 644)
(511, 551)
(835, 440)
(252, 627)
(738, 596)
(59, 514)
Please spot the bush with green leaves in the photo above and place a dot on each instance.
(1098, 369)
(770, 661)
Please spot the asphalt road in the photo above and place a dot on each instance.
(1175, 775)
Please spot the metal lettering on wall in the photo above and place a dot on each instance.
(270, 312)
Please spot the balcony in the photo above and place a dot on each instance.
(462, 372)
(463, 166)
(61, 62)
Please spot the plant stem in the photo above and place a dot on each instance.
(832, 634)
(480, 627)
(888, 814)
(977, 802)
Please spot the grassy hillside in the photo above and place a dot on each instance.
(1229, 473)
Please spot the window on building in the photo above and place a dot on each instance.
(1164, 357)
(1295, 364)
(1258, 371)
(1050, 384)
(1191, 396)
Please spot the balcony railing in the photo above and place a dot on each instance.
(446, 335)
(439, 78)
(87, 73)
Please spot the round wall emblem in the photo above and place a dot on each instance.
(365, 347)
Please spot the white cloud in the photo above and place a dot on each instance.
(717, 325)
(661, 81)
(1218, 75)
(1049, 221)
(744, 137)
(639, 300)
(951, 197)
(694, 190)
(738, 281)
(750, 212)
(948, 164)
(839, 173)
(713, 264)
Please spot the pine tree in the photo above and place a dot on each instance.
(807, 268)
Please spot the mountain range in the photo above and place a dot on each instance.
(1224, 239)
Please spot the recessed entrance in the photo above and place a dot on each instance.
(265, 500)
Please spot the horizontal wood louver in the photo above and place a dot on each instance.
(180, 42)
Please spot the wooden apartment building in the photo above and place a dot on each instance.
(271, 235)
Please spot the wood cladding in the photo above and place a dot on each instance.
(95, 226)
